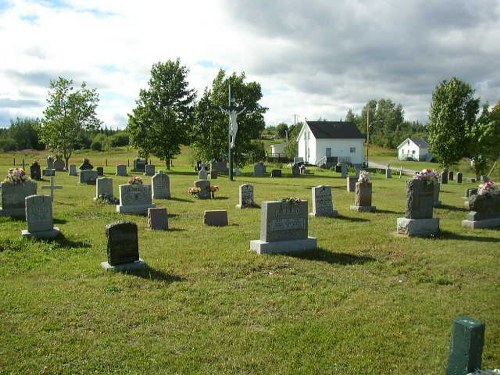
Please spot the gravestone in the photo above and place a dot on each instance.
(237, 172)
(246, 197)
(72, 170)
(204, 186)
(122, 247)
(88, 176)
(213, 174)
(215, 218)
(35, 171)
(418, 220)
(157, 218)
(351, 184)
(437, 190)
(459, 177)
(344, 170)
(219, 166)
(276, 173)
(59, 164)
(388, 173)
(86, 166)
(450, 175)
(259, 169)
(52, 187)
(363, 197)
(104, 188)
(323, 201)
(161, 185)
(284, 228)
(13, 198)
(121, 170)
(100, 171)
(444, 176)
(39, 217)
(50, 162)
(149, 170)
(202, 173)
(295, 170)
(139, 165)
(470, 192)
(466, 347)
(135, 199)
(49, 172)
(484, 211)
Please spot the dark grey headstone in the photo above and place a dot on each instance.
(39, 217)
(100, 171)
(49, 172)
(88, 176)
(351, 184)
(50, 162)
(444, 176)
(295, 170)
(204, 185)
(259, 170)
(86, 166)
(420, 199)
(161, 185)
(59, 165)
(157, 218)
(139, 165)
(215, 218)
(450, 175)
(13, 197)
(121, 170)
(276, 173)
(149, 169)
(282, 221)
(123, 243)
(72, 170)
(459, 177)
(466, 348)
(35, 171)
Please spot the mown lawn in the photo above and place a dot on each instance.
(366, 302)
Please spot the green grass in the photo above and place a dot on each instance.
(367, 302)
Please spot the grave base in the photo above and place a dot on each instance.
(418, 227)
(334, 213)
(478, 224)
(44, 234)
(277, 247)
(363, 208)
(137, 265)
(437, 204)
(141, 210)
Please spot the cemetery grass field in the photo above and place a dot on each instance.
(366, 302)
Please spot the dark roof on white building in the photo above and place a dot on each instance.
(334, 129)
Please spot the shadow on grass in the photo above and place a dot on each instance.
(180, 200)
(322, 255)
(388, 212)
(352, 219)
(452, 208)
(63, 242)
(150, 273)
(445, 235)
(60, 221)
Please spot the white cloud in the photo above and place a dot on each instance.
(312, 59)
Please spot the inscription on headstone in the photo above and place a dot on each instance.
(322, 201)
(122, 247)
(246, 197)
(135, 199)
(104, 188)
(39, 217)
(161, 185)
(13, 197)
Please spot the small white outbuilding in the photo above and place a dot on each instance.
(414, 149)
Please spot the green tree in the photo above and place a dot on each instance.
(282, 130)
(210, 133)
(70, 112)
(451, 117)
(484, 139)
(291, 148)
(24, 132)
(160, 123)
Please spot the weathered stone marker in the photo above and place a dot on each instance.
(466, 348)
(323, 202)
(39, 217)
(122, 247)
(157, 218)
(215, 218)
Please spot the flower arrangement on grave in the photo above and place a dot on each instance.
(135, 180)
(292, 200)
(194, 190)
(488, 188)
(108, 199)
(428, 175)
(364, 177)
(16, 176)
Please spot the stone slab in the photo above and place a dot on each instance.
(481, 224)
(137, 209)
(137, 265)
(278, 247)
(215, 218)
(42, 234)
(364, 208)
(418, 227)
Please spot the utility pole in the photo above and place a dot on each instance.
(367, 133)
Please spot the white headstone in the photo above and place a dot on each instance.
(104, 188)
(135, 199)
(39, 217)
(322, 201)
(161, 185)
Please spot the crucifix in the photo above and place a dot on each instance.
(52, 187)
(233, 113)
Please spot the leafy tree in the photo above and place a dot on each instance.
(68, 115)
(484, 139)
(160, 123)
(24, 133)
(282, 130)
(120, 138)
(210, 131)
(291, 148)
(451, 117)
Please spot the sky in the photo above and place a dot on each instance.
(313, 59)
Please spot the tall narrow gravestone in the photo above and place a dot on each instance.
(122, 247)
(363, 197)
(161, 185)
(323, 202)
(259, 169)
(284, 228)
(466, 348)
(351, 184)
(246, 199)
(39, 217)
(418, 220)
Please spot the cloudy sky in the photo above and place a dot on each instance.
(315, 58)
